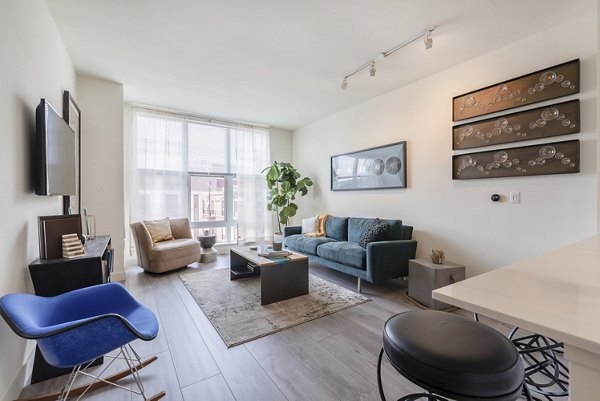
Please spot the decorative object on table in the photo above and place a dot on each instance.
(208, 254)
(437, 256)
(162, 256)
(51, 229)
(284, 183)
(270, 252)
(234, 307)
(425, 276)
(549, 83)
(542, 159)
(380, 167)
(277, 245)
(71, 246)
(90, 224)
(553, 120)
(72, 116)
(81, 330)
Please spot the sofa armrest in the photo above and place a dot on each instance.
(389, 259)
(287, 231)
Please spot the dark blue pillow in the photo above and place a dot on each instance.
(377, 231)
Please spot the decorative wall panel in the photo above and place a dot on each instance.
(374, 168)
(542, 159)
(549, 83)
(541, 122)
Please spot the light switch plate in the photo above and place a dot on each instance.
(515, 197)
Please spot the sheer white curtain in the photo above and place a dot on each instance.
(159, 164)
(250, 154)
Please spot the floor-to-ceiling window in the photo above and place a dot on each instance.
(206, 171)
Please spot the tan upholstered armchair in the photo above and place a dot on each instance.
(158, 257)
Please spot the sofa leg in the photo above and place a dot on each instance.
(359, 285)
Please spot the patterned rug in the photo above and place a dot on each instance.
(233, 307)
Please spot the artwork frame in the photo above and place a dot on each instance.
(526, 161)
(537, 123)
(548, 83)
(72, 116)
(380, 167)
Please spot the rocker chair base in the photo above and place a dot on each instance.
(99, 382)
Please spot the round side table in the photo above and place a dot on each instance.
(208, 254)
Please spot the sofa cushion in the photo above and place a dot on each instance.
(377, 231)
(309, 225)
(357, 226)
(337, 228)
(344, 252)
(304, 244)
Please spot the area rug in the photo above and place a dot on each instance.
(233, 307)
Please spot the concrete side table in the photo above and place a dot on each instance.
(424, 276)
(208, 254)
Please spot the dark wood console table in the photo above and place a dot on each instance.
(52, 277)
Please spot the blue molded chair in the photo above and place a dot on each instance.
(75, 328)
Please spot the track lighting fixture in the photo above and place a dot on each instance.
(427, 39)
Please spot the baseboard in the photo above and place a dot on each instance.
(22, 378)
(118, 276)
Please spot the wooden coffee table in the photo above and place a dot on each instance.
(279, 279)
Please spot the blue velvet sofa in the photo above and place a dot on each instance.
(339, 249)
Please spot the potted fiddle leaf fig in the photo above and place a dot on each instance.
(284, 183)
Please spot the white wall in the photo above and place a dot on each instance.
(102, 172)
(458, 216)
(33, 64)
(281, 145)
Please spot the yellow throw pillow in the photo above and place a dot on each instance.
(160, 230)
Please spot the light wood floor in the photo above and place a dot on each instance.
(331, 358)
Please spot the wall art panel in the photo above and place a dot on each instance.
(541, 122)
(549, 83)
(542, 159)
(375, 168)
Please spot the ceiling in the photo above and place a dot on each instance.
(281, 62)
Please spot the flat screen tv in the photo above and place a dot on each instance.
(55, 153)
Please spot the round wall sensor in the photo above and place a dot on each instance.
(495, 197)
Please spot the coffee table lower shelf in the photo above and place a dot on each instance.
(278, 280)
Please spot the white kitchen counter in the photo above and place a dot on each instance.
(556, 294)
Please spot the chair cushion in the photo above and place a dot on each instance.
(337, 228)
(304, 244)
(344, 252)
(377, 231)
(172, 254)
(160, 230)
(452, 354)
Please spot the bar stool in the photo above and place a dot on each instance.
(451, 356)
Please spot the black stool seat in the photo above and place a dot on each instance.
(453, 356)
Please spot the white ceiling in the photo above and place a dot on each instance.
(281, 62)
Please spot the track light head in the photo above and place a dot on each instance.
(344, 84)
(428, 39)
(373, 70)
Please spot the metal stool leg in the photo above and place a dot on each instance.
(410, 397)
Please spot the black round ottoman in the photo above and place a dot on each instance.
(451, 356)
